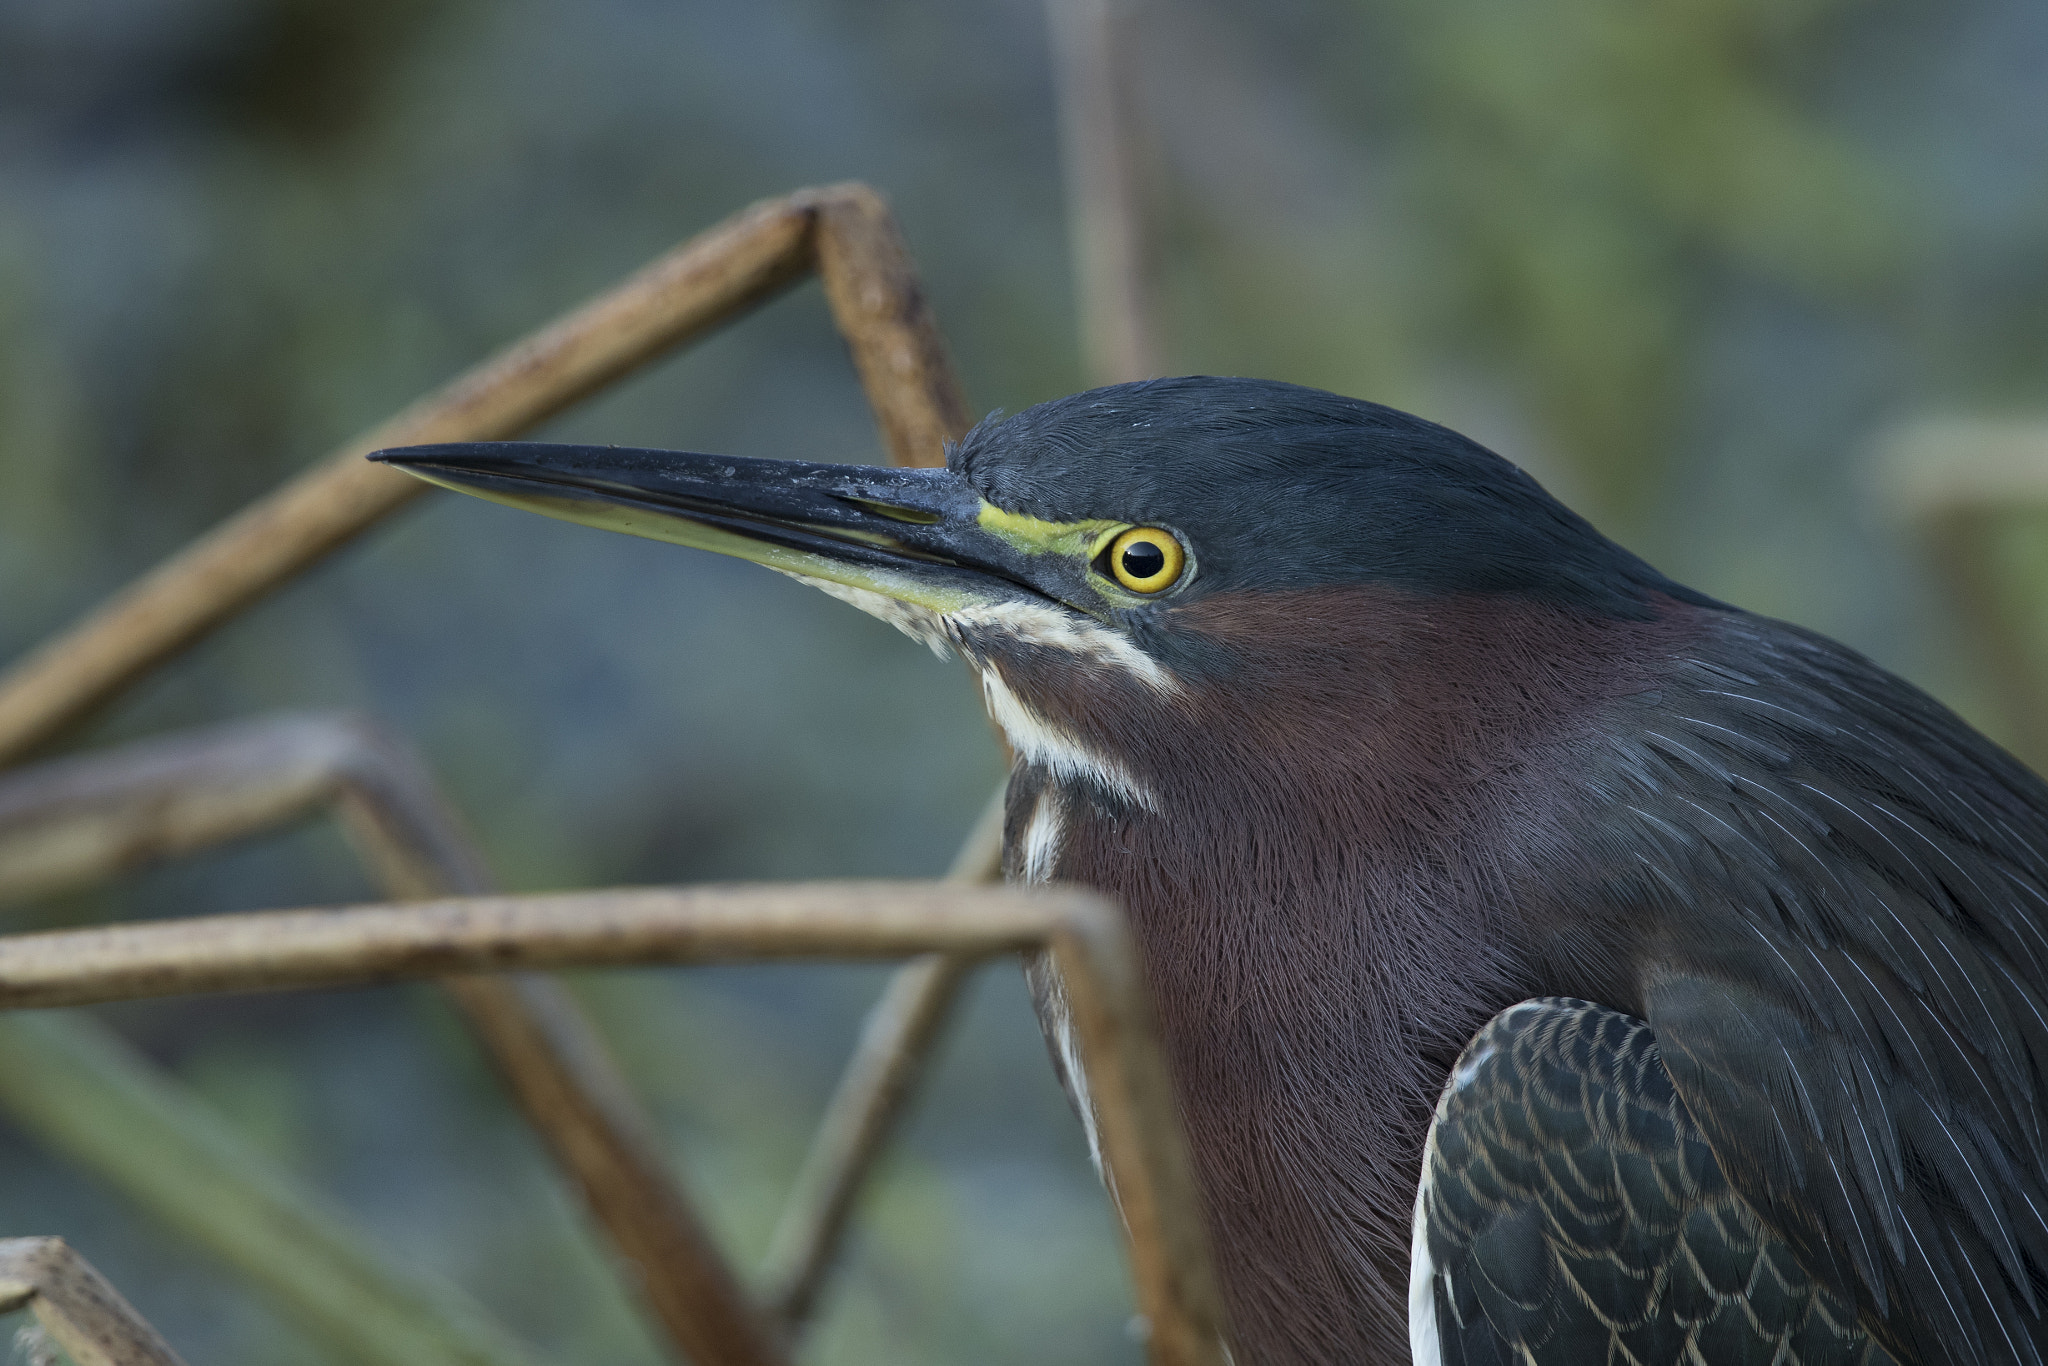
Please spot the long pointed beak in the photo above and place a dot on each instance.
(921, 536)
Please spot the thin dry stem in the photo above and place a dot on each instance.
(1143, 1147)
(693, 289)
(557, 1067)
(90, 1098)
(895, 1041)
(82, 819)
(889, 1060)
(288, 950)
(1952, 479)
(1105, 202)
(77, 821)
(845, 231)
(76, 1306)
(573, 1093)
(880, 308)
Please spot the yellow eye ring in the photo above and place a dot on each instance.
(1146, 559)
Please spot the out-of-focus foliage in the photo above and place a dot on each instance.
(1595, 166)
(1680, 259)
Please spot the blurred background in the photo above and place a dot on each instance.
(1719, 272)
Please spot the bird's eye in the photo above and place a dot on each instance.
(1146, 559)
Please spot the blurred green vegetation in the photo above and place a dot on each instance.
(1595, 166)
(1682, 260)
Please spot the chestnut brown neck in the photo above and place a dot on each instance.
(1332, 890)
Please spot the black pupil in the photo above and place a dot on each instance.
(1144, 560)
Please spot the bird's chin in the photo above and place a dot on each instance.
(989, 631)
(986, 629)
(986, 633)
(926, 625)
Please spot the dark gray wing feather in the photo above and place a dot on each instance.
(1571, 1213)
(1838, 897)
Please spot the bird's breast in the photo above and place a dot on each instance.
(1317, 860)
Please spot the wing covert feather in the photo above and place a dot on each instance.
(1840, 904)
(1571, 1212)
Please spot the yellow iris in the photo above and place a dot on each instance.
(1146, 559)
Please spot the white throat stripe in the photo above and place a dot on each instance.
(1038, 741)
(1028, 623)
(1055, 628)
(1040, 847)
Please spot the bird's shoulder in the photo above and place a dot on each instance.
(1837, 905)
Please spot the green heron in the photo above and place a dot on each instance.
(1555, 965)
